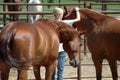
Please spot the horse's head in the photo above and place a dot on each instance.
(69, 14)
(81, 25)
(70, 38)
(72, 48)
(71, 42)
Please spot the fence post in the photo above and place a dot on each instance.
(79, 67)
(4, 15)
(104, 6)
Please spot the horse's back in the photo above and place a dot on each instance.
(46, 28)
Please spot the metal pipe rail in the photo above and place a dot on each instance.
(110, 12)
(105, 3)
(4, 13)
(25, 12)
(44, 4)
(48, 12)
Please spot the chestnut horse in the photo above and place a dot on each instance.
(23, 45)
(103, 38)
(14, 17)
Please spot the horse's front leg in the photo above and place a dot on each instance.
(98, 65)
(10, 17)
(31, 19)
(22, 74)
(37, 17)
(15, 17)
(49, 71)
(113, 67)
(37, 72)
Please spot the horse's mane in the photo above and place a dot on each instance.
(63, 29)
(93, 14)
(58, 24)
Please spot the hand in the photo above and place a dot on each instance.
(77, 9)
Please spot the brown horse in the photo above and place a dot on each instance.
(103, 38)
(14, 17)
(23, 45)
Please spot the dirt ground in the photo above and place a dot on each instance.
(70, 73)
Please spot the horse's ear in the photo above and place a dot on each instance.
(65, 8)
(65, 12)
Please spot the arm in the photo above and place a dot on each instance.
(74, 20)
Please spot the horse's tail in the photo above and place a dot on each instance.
(6, 40)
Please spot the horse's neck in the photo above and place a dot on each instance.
(64, 31)
(92, 14)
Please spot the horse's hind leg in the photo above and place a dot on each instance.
(15, 17)
(98, 66)
(22, 74)
(37, 72)
(49, 71)
(113, 67)
(4, 71)
(5, 74)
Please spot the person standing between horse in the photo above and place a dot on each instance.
(58, 14)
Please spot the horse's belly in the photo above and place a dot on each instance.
(47, 50)
(114, 53)
(44, 60)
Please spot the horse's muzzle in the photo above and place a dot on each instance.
(74, 63)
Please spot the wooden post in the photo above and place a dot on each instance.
(4, 15)
(104, 6)
(27, 10)
(79, 2)
(79, 67)
(59, 2)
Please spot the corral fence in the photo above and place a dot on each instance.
(4, 13)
